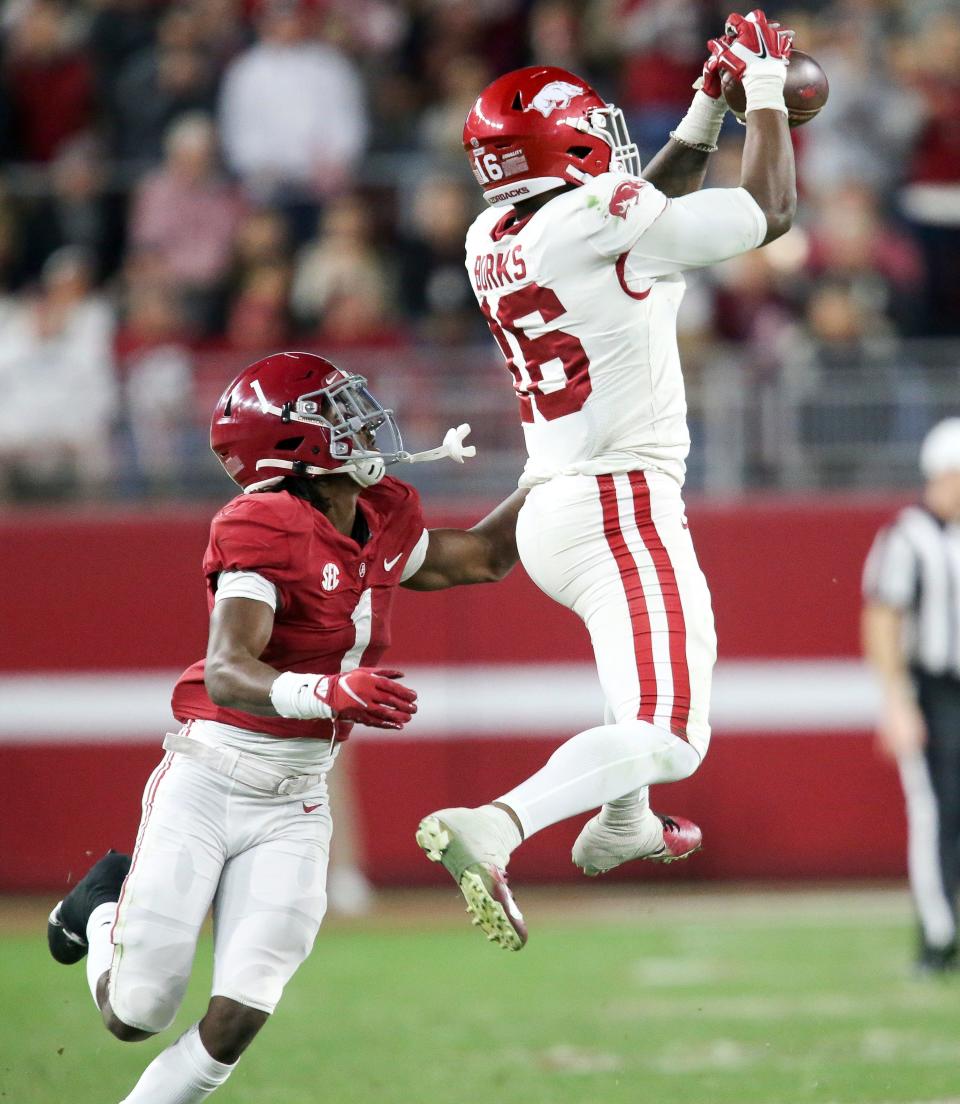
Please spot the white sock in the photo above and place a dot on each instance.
(99, 947)
(184, 1073)
(503, 824)
(598, 766)
(628, 813)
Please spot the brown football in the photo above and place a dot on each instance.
(805, 92)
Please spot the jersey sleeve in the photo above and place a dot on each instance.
(890, 571)
(699, 229)
(417, 555)
(412, 531)
(617, 210)
(254, 533)
(246, 584)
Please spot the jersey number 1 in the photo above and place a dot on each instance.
(551, 371)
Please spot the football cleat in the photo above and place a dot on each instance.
(456, 838)
(67, 925)
(936, 961)
(600, 848)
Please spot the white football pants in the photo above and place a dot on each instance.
(615, 549)
(260, 861)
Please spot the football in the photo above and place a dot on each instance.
(805, 92)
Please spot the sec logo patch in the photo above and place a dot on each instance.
(330, 579)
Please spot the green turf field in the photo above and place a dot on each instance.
(643, 996)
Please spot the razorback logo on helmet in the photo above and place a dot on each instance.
(625, 196)
(554, 97)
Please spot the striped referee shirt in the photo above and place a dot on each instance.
(914, 566)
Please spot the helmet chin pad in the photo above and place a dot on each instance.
(367, 472)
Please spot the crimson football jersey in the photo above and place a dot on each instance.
(334, 596)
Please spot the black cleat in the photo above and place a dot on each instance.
(67, 926)
(937, 961)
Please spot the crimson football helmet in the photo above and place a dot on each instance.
(541, 128)
(298, 414)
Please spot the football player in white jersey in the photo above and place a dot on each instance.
(577, 267)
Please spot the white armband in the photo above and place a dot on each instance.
(246, 584)
(300, 697)
(700, 127)
(763, 82)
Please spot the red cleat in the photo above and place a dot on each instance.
(681, 837)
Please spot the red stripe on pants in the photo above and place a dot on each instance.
(636, 599)
(671, 601)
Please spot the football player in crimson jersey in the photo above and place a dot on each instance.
(577, 268)
(301, 572)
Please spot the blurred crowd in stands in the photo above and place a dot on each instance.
(187, 184)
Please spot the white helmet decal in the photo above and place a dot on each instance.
(554, 97)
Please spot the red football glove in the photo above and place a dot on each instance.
(369, 696)
(709, 82)
(748, 41)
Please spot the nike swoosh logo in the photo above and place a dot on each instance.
(309, 808)
(389, 565)
(763, 46)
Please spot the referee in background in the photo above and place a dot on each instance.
(911, 637)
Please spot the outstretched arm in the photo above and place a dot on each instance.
(680, 167)
(768, 172)
(757, 53)
(483, 554)
(712, 225)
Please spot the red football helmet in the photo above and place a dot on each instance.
(298, 414)
(541, 128)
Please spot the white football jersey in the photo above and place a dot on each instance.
(582, 299)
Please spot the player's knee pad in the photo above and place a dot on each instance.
(147, 1003)
(677, 757)
(658, 755)
(679, 760)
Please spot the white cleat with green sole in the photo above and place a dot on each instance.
(461, 840)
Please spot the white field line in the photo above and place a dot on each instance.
(534, 700)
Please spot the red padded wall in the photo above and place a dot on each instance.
(108, 592)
